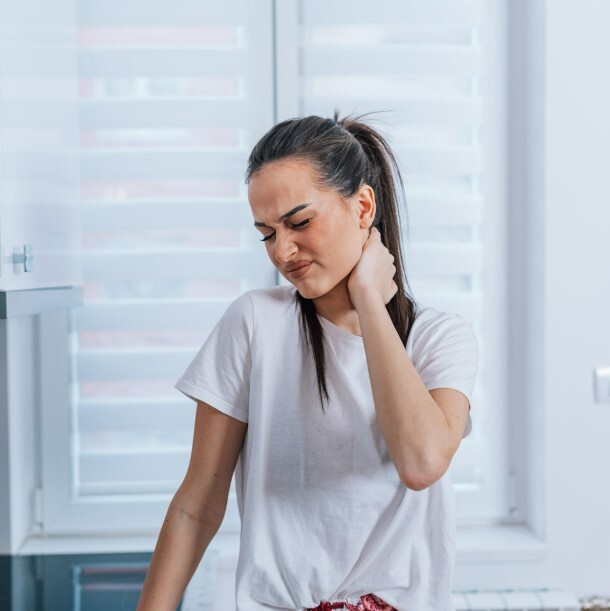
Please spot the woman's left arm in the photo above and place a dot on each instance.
(422, 429)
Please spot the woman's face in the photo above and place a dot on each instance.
(326, 231)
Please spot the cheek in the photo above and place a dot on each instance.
(334, 237)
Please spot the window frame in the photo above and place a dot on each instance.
(521, 539)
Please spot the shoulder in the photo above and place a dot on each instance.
(428, 319)
(433, 329)
(258, 307)
(266, 296)
(239, 307)
(272, 301)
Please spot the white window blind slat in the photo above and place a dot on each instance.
(324, 60)
(181, 263)
(171, 112)
(410, 12)
(144, 363)
(452, 210)
(459, 161)
(170, 62)
(127, 413)
(170, 163)
(135, 314)
(135, 215)
(177, 12)
(129, 471)
(457, 259)
(425, 110)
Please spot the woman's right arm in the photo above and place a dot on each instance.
(196, 511)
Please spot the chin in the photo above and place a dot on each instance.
(307, 293)
(312, 291)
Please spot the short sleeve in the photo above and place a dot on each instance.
(448, 356)
(219, 374)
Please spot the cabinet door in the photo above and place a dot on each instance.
(39, 144)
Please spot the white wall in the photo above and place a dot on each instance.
(578, 291)
(572, 496)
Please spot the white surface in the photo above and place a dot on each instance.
(39, 143)
(577, 330)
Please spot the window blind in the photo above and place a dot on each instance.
(435, 71)
(172, 98)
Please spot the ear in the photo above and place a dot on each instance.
(366, 205)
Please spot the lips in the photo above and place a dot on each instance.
(297, 265)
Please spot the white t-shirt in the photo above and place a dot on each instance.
(324, 514)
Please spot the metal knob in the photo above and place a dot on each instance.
(26, 258)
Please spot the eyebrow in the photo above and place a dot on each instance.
(286, 215)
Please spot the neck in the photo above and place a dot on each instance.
(337, 307)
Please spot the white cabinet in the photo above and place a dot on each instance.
(39, 142)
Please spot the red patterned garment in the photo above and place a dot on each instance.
(367, 602)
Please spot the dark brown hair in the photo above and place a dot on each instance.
(344, 154)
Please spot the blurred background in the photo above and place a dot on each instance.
(125, 232)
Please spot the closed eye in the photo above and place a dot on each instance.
(301, 224)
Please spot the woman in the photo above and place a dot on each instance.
(354, 398)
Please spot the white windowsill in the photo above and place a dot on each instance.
(474, 544)
(502, 543)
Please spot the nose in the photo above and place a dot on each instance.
(284, 247)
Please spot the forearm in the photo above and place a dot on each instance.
(182, 541)
(413, 426)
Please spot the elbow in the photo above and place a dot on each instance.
(423, 475)
(197, 508)
(417, 481)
